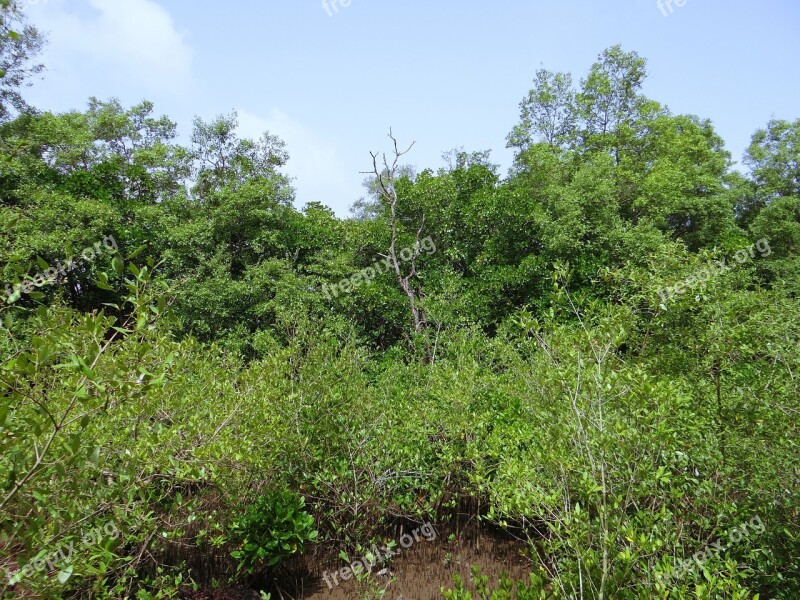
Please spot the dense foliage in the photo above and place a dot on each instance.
(599, 350)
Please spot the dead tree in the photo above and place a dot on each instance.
(388, 194)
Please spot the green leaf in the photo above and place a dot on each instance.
(102, 282)
(137, 252)
(65, 574)
(119, 265)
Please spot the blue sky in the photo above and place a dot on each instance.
(444, 73)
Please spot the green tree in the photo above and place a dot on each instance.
(20, 44)
(774, 158)
(548, 113)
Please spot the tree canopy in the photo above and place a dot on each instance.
(597, 351)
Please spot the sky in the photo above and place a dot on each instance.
(443, 73)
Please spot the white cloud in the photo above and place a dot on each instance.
(315, 163)
(130, 41)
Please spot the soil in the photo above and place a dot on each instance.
(416, 573)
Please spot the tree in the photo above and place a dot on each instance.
(548, 113)
(610, 94)
(113, 152)
(20, 43)
(222, 158)
(386, 177)
(774, 157)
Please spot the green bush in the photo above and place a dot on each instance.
(273, 528)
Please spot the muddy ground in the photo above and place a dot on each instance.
(416, 573)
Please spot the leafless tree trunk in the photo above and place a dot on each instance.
(386, 187)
